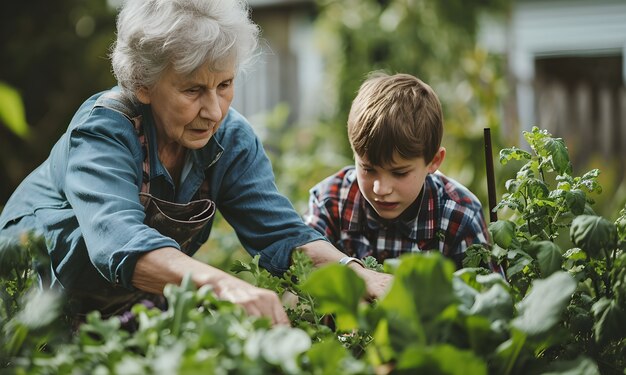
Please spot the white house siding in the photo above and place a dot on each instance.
(588, 111)
(290, 68)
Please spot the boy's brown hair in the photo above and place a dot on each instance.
(395, 113)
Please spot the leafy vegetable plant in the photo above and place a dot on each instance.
(560, 309)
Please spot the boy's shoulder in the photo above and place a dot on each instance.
(448, 189)
(337, 185)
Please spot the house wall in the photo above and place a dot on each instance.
(567, 70)
(289, 69)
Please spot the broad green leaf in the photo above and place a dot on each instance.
(42, 308)
(463, 285)
(578, 366)
(542, 307)
(420, 292)
(330, 357)
(559, 155)
(283, 345)
(536, 189)
(480, 335)
(507, 354)
(439, 359)
(610, 323)
(494, 304)
(548, 255)
(337, 290)
(513, 153)
(576, 201)
(593, 234)
(503, 234)
(12, 110)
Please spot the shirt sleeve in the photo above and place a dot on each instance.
(265, 221)
(101, 183)
(322, 215)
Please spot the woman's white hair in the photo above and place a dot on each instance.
(184, 34)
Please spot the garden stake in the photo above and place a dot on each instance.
(491, 183)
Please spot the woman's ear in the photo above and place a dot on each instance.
(143, 94)
(437, 160)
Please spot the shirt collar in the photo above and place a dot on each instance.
(421, 227)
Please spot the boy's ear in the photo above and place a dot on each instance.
(437, 160)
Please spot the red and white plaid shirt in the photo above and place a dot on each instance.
(449, 219)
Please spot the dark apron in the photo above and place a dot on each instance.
(181, 222)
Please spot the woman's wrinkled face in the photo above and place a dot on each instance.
(189, 108)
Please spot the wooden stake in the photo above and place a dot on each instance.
(491, 181)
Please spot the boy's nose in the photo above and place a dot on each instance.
(381, 187)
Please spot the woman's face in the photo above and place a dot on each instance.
(188, 109)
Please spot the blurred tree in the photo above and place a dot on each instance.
(55, 55)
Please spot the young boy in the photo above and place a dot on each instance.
(394, 201)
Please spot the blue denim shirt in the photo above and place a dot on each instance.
(84, 198)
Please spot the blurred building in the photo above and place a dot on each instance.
(290, 68)
(566, 60)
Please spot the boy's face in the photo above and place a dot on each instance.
(390, 189)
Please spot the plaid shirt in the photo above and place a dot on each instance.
(449, 219)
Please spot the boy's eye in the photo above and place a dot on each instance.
(400, 174)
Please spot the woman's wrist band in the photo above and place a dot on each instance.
(346, 260)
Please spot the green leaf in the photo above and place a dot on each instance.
(439, 359)
(494, 304)
(503, 234)
(548, 255)
(513, 153)
(508, 353)
(541, 308)
(557, 150)
(578, 366)
(536, 189)
(420, 292)
(576, 201)
(329, 356)
(282, 346)
(593, 234)
(12, 110)
(337, 290)
(610, 324)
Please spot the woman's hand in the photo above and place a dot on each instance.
(159, 267)
(256, 301)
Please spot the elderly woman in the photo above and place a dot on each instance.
(128, 193)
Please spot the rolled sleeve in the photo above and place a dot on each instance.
(265, 221)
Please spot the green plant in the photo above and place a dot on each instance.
(552, 228)
(559, 312)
